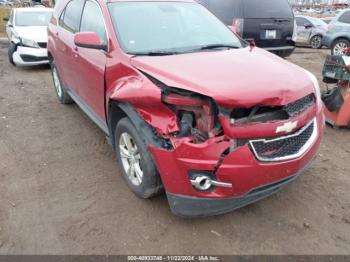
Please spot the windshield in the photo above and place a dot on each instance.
(35, 18)
(318, 22)
(267, 9)
(144, 27)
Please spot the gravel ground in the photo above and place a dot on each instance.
(61, 191)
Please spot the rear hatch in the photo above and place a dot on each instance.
(270, 22)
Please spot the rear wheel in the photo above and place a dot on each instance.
(316, 42)
(61, 92)
(136, 162)
(339, 46)
(11, 50)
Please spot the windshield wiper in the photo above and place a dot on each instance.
(215, 46)
(156, 53)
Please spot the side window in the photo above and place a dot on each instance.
(92, 20)
(70, 17)
(345, 18)
(301, 21)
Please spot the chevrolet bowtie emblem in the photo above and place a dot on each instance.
(287, 127)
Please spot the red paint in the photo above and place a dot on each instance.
(232, 79)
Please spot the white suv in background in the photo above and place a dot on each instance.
(26, 29)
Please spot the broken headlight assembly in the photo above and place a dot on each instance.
(28, 43)
(197, 114)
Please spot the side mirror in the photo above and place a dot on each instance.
(6, 19)
(308, 25)
(89, 40)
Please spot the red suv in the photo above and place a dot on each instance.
(188, 106)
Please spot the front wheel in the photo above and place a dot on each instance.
(339, 46)
(316, 42)
(135, 161)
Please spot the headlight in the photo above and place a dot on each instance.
(29, 43)
(15, 38)
(316, 87)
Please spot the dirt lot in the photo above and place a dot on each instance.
(61, 191)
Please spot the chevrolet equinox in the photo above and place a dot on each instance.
(188, 106)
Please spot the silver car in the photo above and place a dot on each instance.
(310, 31)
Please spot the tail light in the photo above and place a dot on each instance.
(237, 26)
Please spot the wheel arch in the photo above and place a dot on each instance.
(118, 110)
(339, 38)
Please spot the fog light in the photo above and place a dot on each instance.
(204, 183)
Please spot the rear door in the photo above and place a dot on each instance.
(69, 23)
(91, 64)
(269, 22)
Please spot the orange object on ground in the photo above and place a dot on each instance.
(340, 118)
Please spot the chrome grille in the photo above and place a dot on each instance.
(300, 105)
(287, 147)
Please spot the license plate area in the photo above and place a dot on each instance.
(270, 34)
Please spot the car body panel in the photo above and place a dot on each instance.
(178, 71)
(248, 77)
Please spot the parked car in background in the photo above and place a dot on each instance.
(26, 30)
(310, 31)
(270, 23)
(338, 34)
(188, 106)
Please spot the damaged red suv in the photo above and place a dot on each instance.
(189, 107)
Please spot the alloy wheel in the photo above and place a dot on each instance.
(57, 82)
(130, 158)
(339, 48)
(316, 42)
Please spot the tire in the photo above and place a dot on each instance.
(11, 50)
(60, 90)
(338, 45)
(144, 180)
(316, 42)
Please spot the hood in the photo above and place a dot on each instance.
(237, 77)
(36, 33)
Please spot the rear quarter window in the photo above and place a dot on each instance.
(345, 18)
(70, 17)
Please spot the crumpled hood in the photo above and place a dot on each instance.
(36, 33)
(238, 77)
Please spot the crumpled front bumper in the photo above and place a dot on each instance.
(201, 207)
(27, 56)
(251, 179)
